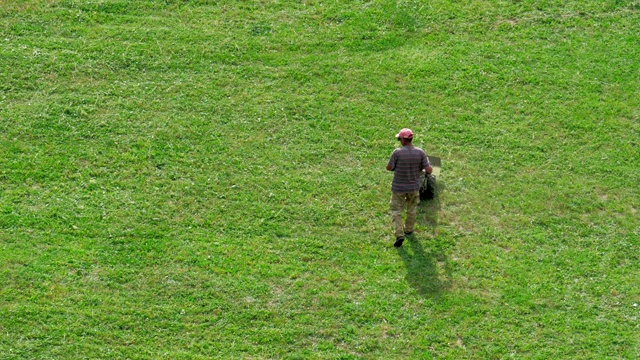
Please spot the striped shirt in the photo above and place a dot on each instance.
(407, 163)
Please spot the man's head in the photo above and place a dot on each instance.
(405, 136)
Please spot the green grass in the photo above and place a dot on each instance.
(205, 179)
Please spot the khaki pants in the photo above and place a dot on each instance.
(398, 203)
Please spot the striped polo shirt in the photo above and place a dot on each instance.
(407, 163)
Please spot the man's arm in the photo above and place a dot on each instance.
(427, 166)
(391, 165)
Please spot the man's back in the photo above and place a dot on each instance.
(407, 164)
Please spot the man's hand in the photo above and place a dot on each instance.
(389, 167)
(428, 169)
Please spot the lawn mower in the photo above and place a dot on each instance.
(428, 182)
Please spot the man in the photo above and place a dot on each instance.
(407, 164)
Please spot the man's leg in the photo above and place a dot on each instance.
(397, 205)
(412, 200)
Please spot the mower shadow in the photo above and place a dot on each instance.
(427, 269)
(428, 211)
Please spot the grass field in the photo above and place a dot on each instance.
(205, 179)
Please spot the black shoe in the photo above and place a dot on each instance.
(399, 241)
(410, 233)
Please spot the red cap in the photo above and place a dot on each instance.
(405, 134)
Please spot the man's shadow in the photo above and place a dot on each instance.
(427, 268)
